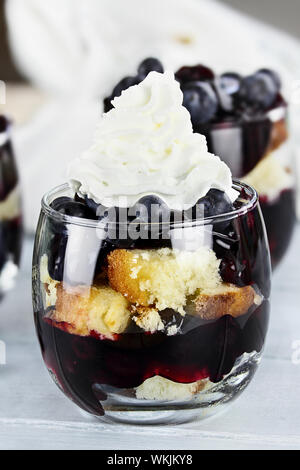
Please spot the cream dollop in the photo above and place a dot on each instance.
(146, 145)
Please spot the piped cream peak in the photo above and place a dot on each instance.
(146, 145)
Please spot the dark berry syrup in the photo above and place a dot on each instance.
(82, 365)
(280, 219)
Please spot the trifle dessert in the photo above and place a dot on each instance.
(151, 270)
(244, 120)
(10, 210)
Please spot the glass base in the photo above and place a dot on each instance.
(122, 406)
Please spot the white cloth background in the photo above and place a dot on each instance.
(77, 50)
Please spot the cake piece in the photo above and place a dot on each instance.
(225, 300)
(159, 388)
(147, 318)
(91, 309)
(162, 278)
(279, 135)
(270, 177)
(85, 309)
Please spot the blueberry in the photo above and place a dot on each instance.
(107, 104)
(150, 65)
(114, 222)
(257, 92)
(216, 202)
(196, 73)
(151, 220)
(59, 233)
(110, 214)
(201, 101)
(151, 209)
(72, 208)
(58, 203)
(230, 82)
(224, 98)
(93, 206)
(273, 75)
(124, 84)
(78, 198)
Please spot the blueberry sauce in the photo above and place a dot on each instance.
(280, 219)
(203, 350)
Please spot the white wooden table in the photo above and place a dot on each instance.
(34, 414)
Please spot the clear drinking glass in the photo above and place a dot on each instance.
(11, 227)
(163, 328)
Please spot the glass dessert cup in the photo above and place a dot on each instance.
(162, 328)
(257, 151)
(11, 228)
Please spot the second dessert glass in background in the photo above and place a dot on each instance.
(244, 120)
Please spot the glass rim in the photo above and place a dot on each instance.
(63, 218)
(274, 115)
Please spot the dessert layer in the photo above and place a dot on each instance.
(10, 208)
(202, 350)
(226, 300)
(164, 278)
(279, 134)
(182, 280)
(89, 310)
(85, 309)
(159, 388)
(147, 319)
(270, 176)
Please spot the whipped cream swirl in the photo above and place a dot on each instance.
(146, 145)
